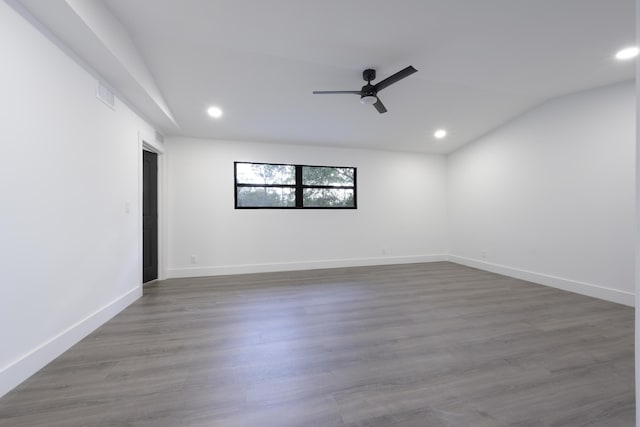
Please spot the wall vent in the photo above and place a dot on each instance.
(105, 95)
(159, 137)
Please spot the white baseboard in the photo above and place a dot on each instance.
(27, 365)
(583, 288)
(174, 273)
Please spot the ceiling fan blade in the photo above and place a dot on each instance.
(380, 106)
(328, 92)
(395, 78)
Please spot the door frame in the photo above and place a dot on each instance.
(147, 142)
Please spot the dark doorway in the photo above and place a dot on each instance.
(149, 216)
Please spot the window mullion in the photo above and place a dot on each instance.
(299, 196)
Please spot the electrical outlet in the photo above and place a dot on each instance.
(484, 254)
(383, 251)
(194, 259)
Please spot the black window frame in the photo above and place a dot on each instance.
(298, 186)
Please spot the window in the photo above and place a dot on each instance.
(274, 186)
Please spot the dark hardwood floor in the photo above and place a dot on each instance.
(426, 345)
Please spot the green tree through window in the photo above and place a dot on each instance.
(266, 185)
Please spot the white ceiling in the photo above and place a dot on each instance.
(480, 64)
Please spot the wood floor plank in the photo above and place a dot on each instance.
(434, 344)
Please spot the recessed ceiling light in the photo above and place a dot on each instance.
(214, 112)
(627, 53)
(440, 133)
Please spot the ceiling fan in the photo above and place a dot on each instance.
(369, 93)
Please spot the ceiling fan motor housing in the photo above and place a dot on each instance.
(368, 90)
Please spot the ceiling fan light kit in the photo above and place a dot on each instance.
(369, 93)
(369, 99)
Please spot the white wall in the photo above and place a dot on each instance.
(401, 215)
(549, 197)
(69, 165)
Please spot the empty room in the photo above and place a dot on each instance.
(318, 213)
